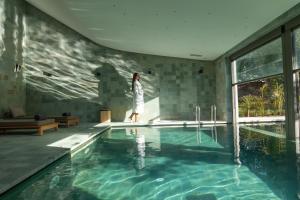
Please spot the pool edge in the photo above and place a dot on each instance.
(70, 151)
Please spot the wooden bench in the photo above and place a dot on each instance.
(40, 126)
(67, 120)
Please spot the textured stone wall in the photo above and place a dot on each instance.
(66, 72)
(12, 87)
(59, 69)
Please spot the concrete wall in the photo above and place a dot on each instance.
(12, 86)
(223, 90)
(66, 72)
(221, 80)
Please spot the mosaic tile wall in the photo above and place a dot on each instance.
(66, 72)
(12, 87)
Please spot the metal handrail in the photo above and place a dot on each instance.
(198, 113)
(213, 113)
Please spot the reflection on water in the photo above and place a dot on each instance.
(174, 163)
(140, 141)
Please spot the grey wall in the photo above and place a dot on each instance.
(66, 72)
(221, 80)
(59, 66)
(223, 90)
(12, 87)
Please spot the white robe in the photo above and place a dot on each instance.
(138, 98)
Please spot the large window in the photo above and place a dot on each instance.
(266, 72)
(258, 82)
(262, 62)
(296, 68)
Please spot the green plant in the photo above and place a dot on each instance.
(246, 103)
(261, 101)
(263, 89)
(278, 95)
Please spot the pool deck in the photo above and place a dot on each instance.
(261, 119)
(22, 154)
(165, 123)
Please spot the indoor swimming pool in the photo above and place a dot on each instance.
(193, 163)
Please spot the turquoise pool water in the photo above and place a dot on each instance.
(171, 163)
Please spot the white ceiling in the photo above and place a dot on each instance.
(175, 28)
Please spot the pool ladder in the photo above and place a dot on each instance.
(198, 113)
(213, 113)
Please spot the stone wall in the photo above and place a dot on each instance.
(66, 72)
(12, 87)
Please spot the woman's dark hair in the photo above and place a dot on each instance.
(134, 77)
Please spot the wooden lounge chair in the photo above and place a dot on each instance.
(66, 120)
(40, 125)
(19, 113)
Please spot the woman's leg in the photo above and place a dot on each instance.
(130, 117)
(136, 117)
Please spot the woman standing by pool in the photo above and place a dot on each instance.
(138, 97)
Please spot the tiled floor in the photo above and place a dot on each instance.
(24, 153)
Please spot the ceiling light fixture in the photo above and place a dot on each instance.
(96, 29)
(196, 55)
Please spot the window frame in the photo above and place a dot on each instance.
(290, 74)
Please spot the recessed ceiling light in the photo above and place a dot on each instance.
(196, 55)
(109, 39)
(78, 9)
(96, 29)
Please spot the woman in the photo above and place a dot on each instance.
(138, 97)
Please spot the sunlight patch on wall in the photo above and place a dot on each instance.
(59, 66)
(2, 20)
(70, 67)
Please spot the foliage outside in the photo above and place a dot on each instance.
(266, 98)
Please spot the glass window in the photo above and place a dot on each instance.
(262, 62)
(296, 43)
(296, 64)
